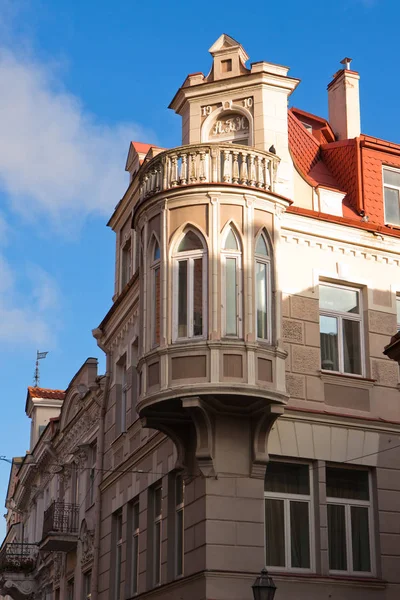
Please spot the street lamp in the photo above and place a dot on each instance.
(264, 587)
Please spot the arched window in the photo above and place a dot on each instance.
(263, 287)
(155, 281)
(190, 287)
(231, 256)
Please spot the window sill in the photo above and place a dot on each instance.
(120, 438)
(366, 580)
(346, 379)
(91, 505)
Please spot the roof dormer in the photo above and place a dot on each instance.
(229, 59)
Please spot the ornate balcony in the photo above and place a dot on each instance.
(207, 164)
(18, 557)
(60, 527)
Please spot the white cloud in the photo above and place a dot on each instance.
(55, 159)
(30, 318)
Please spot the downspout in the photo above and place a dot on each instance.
(97, 505)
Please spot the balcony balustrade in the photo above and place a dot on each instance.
(208, 164)
(18, 557)
(60, 527)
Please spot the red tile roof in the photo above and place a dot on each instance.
(142, 148)
(37, 392)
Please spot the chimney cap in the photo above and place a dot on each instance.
(346, 62)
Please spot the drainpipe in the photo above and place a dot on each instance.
(97, 505)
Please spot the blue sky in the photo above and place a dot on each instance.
(78, 81)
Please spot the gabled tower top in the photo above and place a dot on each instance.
(229, 58)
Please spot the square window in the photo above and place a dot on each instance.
(226, 65)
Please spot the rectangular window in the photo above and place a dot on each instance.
(341, 329)
(349, 516)
(122, 397)
(117, 556)
(179, 524)
(231, 296)
(156, 291)
(135, 548)
(157, 522)
(87, 585)
(92, 473)
(288, 516)
(70, 589)
(191, 297)
(183, 298)
(126, 264)
(391, 190)
(261, 299)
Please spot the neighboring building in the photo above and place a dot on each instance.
(248, 415)
(257, 268)
(48, 549)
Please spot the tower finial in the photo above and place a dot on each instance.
(36, 376)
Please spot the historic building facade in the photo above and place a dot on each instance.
(248, 415)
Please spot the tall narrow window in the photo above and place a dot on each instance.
(135, 548)
(179, 524)
(70, 589)
(287, 516)
(126, 264)
(157, 519)
(122, 396)
(117, 556)
(190, 277)
(341, 329)
(232, 284)
(349, 516)
(263, 288)
(155, 293)
(87, 585)
(92, 473)
(391, 189)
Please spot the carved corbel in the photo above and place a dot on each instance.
(204, 434)
(180, 435)
(262, 426)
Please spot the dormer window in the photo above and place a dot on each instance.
(391, 190)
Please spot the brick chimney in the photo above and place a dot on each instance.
(344, 102)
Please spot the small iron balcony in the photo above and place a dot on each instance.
(18, 557)
(60, 527)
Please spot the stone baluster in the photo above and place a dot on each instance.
(174, 170)
(243, 169)
(215, 162)
(267, 173)
(153, 180)
(202, 175)
(158, 178)
(146, 185)
(141, 191)
(183, 176)
(193, 170)
(260, 172)
(235, 167)
(252, 174)
(227, 175)
(165, 173)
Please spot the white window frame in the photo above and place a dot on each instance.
(157, 523)
(287, 498)
(238, 256)
(135, 548)
(392, 187)
(348, 503)
(155, 266)
(189, 257)
(265, 260)
(179, 508)
(350, 317)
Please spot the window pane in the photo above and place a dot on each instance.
(198, 296)
(300, 535)
(360, 538)
(182, 298)
(156, 254)
(391, 177)
(339, 299)
(157, 502)
(231, 241)
(135, 516)
(328, 327)
(274, 533)
(287, 478)
(230, 297)
(337, 537)
(392, 213)
(157, 551)
(261, 246)
(178, 490)
(351, 346)
(347, 483)
(156, 306)
(135, 564)
(179, 542)
(190, 242)
(261, 298)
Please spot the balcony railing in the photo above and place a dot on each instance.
(209, 163)
(60, 518)
(18, 557)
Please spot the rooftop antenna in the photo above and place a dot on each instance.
(36, 376)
